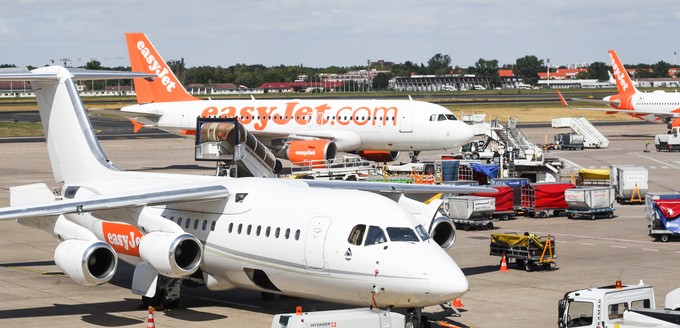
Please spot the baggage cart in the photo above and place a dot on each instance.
(662, 210)
(629, 182)
(590, 202)
(528, 251)
(516, 184)
(470, 212)
(538, 199)
(504, 202)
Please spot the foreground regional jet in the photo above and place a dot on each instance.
(655, 106)
(300, 129)
(311, 239)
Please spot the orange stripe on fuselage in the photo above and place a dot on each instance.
(124, 238)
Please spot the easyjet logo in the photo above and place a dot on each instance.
(305, 152)
(618, 73)
(124, 238)
(155, 66)
(322, 114)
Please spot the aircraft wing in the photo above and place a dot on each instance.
(120, 113)
(106, 202)
(598, 101)
(395, 187)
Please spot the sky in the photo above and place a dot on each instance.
(320, 33)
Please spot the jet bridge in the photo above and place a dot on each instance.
(236, 151)
(592, 138)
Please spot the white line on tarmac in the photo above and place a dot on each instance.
(658, 161)
(587, 244)
(650, 249)
(616, 246)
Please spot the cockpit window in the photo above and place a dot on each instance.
(422, 233)
(433, 117)
(375, 236)
(402, 234)
(451, 117)
(443, 117)
(356, 236)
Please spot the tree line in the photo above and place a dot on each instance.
(253, 76)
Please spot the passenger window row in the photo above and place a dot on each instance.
(188, 223)
(257, 231)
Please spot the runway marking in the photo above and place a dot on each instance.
(658, 161)
(616, 246)
(587, 244)
(650, 249)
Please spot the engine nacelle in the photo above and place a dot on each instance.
(443, 232)
(173, 255)
(379, 155)
(305, 152)
(88, 263)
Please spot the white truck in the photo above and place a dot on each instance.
(619, 306)
(669, 141)
(352, 318)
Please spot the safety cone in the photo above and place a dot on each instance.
(504, 264)
(457, 303)
(149, 322)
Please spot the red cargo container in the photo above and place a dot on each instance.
(504, 201)
(539, 198)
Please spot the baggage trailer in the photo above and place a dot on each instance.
(629, 182)
(590, 202)
(516, 184)
(661, 209)
(527, 251)
(504, 202)
(470, 212)
(540, 198)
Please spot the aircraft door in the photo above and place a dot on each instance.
(406, 120)
(315, 242)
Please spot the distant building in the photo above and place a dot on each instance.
(451, 83)
(321, 86)
(562, 73)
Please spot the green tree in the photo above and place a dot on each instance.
(381, 81)
(660, 69)
(439, 65)
(178, 68)
(486, 67)
(599, 71)
(528, 67)
(93, 64)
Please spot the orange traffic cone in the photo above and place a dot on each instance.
(149, 321)
(457, 303)
(504, 264)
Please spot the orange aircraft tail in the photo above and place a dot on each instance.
(144, 58)
(623, 81)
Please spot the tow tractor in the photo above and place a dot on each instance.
(617, 305)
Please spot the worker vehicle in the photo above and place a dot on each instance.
(352, 318)
(571, 141)
(528, 251)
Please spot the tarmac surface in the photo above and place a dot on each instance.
(34, 293)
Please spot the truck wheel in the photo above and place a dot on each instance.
(475, 155)
(610, 214)
(528, 266)
(489, 226)
(592, 216)
(544, 215)
(665, 238)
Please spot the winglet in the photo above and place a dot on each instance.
(136, 126)
(145, 58)
(564, 102)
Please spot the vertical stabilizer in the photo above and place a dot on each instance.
(145, 58)
(623, 82)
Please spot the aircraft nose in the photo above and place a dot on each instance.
(463, 133)
(447, 282)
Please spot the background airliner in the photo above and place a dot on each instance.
(299, 129)
(657, 106)
(312, 239)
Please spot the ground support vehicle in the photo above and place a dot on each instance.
(352, 318)
(570, 141)
(669, 141)
(630, 183)
(527, 251)
(516, 185)
(590, 202)
(470, 212)
(616, 305)
(661, 209)
(539, 199)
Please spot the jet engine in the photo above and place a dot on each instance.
(88, 263)
(173, 255)
(314, 151)
(443, 232)
(379, 155)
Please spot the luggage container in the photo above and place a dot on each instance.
(470, 212)
(504, 202)
(352, 318)
(538, 199)
(590, 202)
(629, 182)
(528, 251)
(516, 184)
(663, 211)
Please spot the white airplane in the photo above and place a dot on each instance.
(656, 106)
(311, 239)
(301, 130)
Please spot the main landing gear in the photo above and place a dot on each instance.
(416, 319)
(167, 294)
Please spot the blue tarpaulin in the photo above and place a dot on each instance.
(491, 170)
(450, 170)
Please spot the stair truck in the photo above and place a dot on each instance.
(617, 305)
(663, 210)
(538, 199)
(590, 202)
(470, 212)
(528, 251)
(505, 209)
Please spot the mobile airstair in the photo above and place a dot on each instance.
(592, 138)
(235, 150)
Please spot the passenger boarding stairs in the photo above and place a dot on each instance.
(511, 136)
(237, 152)
(592, 138)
